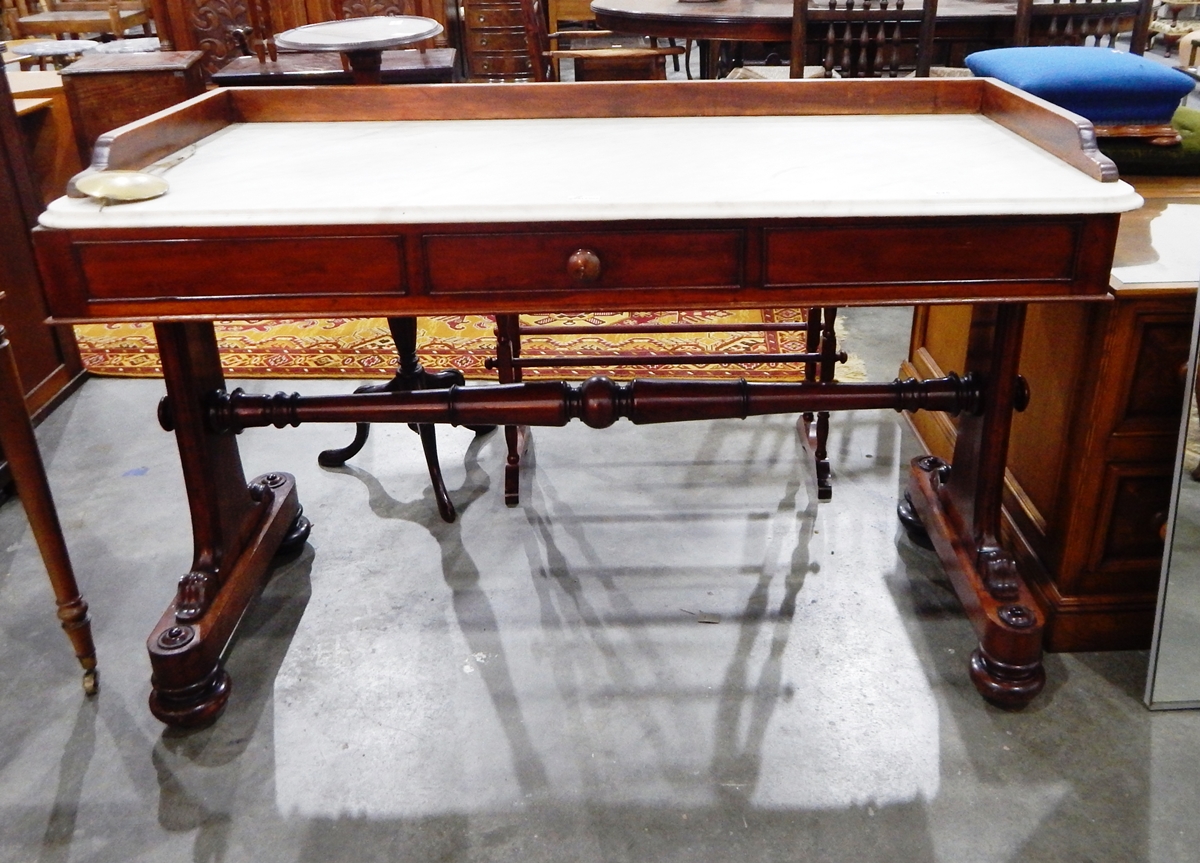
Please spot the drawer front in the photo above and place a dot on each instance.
(557, 262)
(492, 65)
(921, 254)
(485, 17)
(260, 268)
(496, 41)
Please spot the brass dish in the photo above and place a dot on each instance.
(121, 187)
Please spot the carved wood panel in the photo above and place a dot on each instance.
(206, 25)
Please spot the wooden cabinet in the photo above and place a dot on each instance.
(494, 41)
(53, 158)
(1090, 460)
(47, 357)
(105, 91)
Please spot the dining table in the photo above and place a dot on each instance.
(962, 26)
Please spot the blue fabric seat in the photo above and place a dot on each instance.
(1105, 86)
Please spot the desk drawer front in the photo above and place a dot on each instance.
(481, 17)
(481, 42)
(499, 65)
(242, 267)
(922, 254)
(541, 263)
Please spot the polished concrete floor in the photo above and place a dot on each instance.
(535, 684)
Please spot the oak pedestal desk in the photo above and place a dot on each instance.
(857, 193)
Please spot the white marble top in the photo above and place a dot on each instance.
(399, 172)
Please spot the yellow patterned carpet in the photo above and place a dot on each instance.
(362, 348)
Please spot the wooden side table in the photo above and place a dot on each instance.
(107, 90)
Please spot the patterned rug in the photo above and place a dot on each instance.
(362, 348)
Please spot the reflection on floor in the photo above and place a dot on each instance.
(533, 684)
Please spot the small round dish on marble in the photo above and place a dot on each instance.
(120, 187)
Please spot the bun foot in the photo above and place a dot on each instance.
(1009, 687)
(296, 536)
(913, 526)
(196, 706)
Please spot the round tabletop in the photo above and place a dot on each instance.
(54, 47)
(359, 34)
(771, 20)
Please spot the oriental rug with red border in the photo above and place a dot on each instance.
(356, 348)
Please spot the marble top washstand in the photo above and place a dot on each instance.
(446, 199)
(398, 172)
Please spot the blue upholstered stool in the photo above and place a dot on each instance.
(1122, 94)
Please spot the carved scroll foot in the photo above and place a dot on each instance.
(1007, 666)
(338, 457)
(192, 706)
(1007, 686)
(362, 431)
(190, 688)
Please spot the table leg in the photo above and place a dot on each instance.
(29, 475)
(410, 376)
(237, 529)
(959, 506)
(366, 65)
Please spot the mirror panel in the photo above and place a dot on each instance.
(1173, 681)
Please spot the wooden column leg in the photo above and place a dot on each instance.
(29, 476)
(960, 508)
(237, 528)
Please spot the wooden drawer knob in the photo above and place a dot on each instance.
(584, 265)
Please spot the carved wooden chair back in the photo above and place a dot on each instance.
(369, 8)
(1083, 22)
(74, 18)
(863, 38)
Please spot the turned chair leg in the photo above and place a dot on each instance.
(516, 438)
(29, 476)
(814, 428)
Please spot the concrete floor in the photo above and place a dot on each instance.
(533, 684)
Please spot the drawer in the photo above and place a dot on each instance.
(492, 65)
(900, 254)
(261, 268)
(543, 262)
(483, 17)
(496, 41)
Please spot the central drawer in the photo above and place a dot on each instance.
(582, 260)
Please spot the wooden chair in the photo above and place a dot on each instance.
(74, 18)
(609, 63)
(866, 39)
(1083, 22)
